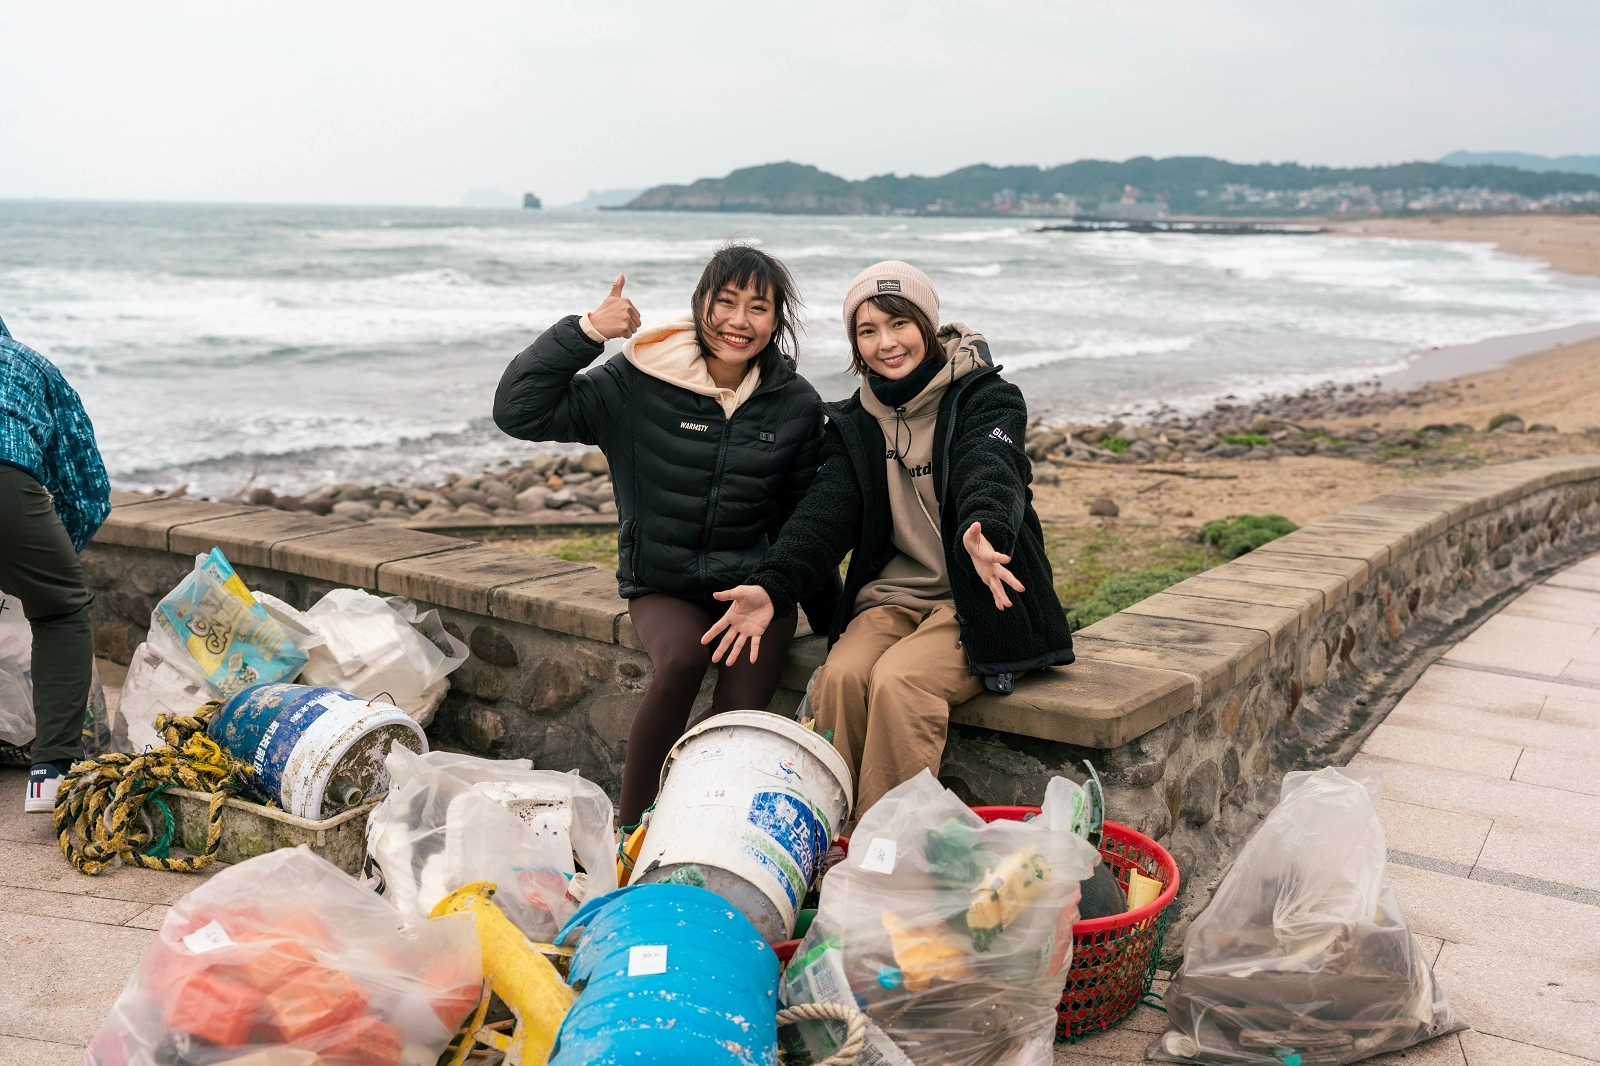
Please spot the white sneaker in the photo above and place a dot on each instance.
(44, 781)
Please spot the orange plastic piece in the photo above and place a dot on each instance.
(367, 1041)
(269, 964)
(212, 1006)
(451, 999)
(315, 1001)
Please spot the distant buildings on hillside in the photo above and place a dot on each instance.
(1347, 198)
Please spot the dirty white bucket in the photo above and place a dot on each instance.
(319, 751)
(753, 799)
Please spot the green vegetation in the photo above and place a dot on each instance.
(1501, 419)
(1114, 444)
(598, 549)
(1249, 440)
(1083, 557)
(1188, 184)
(1237, 534)
(1122, 590)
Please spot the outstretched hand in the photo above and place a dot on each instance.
(990, 565)
(616, 316)
(747, 618)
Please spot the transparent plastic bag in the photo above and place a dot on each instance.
(161, 679)
(449, 820)
(1303, 950)
(224, 630)
(375, 646)
(16, 682)
(954, 935)
(287, 951)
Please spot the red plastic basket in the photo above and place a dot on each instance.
(1114, 959)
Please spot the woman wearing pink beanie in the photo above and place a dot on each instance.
(924, 484)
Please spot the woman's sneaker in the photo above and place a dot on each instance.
(44, 781)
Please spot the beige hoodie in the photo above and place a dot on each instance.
(671, 352)
(916, 576)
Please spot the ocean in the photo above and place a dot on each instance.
(298, 345)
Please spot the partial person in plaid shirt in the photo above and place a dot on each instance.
(53, 496)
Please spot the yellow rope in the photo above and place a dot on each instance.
(98, 810)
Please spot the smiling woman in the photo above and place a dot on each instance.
(713, 439)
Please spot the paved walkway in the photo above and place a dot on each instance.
(1491, 803)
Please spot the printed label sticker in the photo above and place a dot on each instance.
(647, 959)
(208, 937)
(880, 856)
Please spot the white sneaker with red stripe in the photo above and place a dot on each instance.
(44, 781)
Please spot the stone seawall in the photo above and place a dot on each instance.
(1191, 704)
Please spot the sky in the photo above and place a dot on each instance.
(418, 103)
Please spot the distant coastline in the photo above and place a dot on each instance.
(1141, 189)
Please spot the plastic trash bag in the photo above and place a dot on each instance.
(955, 936)
(16, 683)
(1303, 950)
(374, 646)
(232, 637)
(161, 679)
(295, 623)
(288, 951)
(449, 820)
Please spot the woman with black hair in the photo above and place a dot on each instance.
(925, 486)
(713, 439)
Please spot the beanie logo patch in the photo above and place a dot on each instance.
(888, 285)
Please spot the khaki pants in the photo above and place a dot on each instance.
(886, 692)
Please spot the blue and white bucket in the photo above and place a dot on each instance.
(753, 799)
(319, 751)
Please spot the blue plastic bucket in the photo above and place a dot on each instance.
(668, 974)
(319, 751)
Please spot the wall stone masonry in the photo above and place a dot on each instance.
(1191, 704)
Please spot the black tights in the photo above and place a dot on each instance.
(670, 630)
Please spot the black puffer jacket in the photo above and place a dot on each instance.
(980, 475)
(699, 495)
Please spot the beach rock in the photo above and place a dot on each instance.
(576, 477)
(1542, 427)
(576, 508)
(356, 509)
(526, 479)
(558, 499)
(546, 515)
(1267, 452)
(543, 464)
(1262, 425)
(390, 494)
(349, 490)
(321, 505)
(498, 492)
(436, 513)
(590, 499)
(609, 507)
(1511, 425)
(461, 496)
(260, 497)
(1230, 451)
(1105, 507)
(594, 463)
(473, 510)
(532, 498)
(287, 503)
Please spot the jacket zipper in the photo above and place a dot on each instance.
(711, 501)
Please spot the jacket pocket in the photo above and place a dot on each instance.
(628, 549)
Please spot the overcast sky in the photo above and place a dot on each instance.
(400, 102)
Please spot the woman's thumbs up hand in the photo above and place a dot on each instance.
(616, 316)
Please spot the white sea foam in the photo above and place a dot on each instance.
(313, 343)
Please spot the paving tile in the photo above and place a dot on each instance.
(1447, 688)
(147, 525)
(353, 556)
(1516, 631)
(1440, 1051)
(1280, 624)
(1526, 656)
(1578, 772)
(1303, 592)
(1447, 835)
(53, 984)
(1473, 755)
(149, 918)
(1555, 604)
(1483, 1049)
(1433, 786)
(1529, 731)
(1576, 579)
(1220, 656)
(1553, 1004)
(1582, 708)
(1374, 550)
(247, 538)
(1334, 576)
(584, 604)
(1565, 856)
(21, 1051)
(1585, 670)
(41, 866)
(69, 905)
(1114, 1045)
(1430, 945)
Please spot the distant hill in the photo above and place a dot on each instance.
(1141, 187)
(1576, 164)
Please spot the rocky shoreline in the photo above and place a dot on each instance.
(551, 489)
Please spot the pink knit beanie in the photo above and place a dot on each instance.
(891, 278)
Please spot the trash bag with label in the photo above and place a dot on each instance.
(287, 951)
(375, 646)
(230, 636)
(449, 820)
(952, 934)
(1303, 953)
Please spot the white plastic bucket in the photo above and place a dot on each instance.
(319, 751)
(753, 799)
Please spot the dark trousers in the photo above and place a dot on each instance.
(670, 630)
(39, 567)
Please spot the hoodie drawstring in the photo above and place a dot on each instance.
(898, 453)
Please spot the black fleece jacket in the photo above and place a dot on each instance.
(980, 475)
(700, 495)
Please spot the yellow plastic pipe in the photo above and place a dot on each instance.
(518, 973)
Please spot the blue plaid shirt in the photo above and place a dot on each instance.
(45, 431)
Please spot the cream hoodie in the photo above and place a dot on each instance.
(671, 352)
(916, 576)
